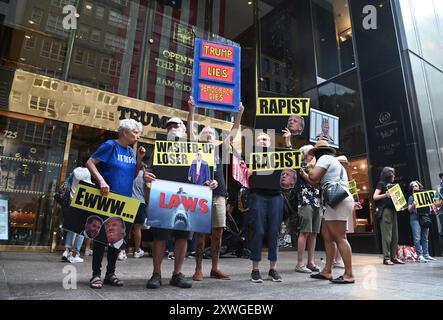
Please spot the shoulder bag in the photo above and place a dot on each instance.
(334, 193)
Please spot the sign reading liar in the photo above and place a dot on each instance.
(216, 75)
(424, 198)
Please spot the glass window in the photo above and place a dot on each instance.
(332, 38)
(37, 15)
(100, 12)
(31, 157)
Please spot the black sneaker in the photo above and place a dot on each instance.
(274, 276)
(155, 282)
(256, 277)
(179, 280)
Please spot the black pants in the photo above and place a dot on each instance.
(97, 257)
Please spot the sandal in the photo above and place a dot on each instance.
(96, 282)
(388, 262)
(113, 281)
(320, 277)
(341, 280)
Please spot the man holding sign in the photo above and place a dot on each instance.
(114, 166)
(420, 219)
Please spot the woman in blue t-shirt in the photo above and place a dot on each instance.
(114, 166)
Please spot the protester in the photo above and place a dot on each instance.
(329, 171)
(114, 166)
(73, 242)
(175, 129)
(338, 261)
(266, 213)
(309, 208)
(388, 224)
(219, 196)
(419, 232)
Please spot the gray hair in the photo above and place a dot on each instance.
(302, 120)
(305, 149)
(129, 124)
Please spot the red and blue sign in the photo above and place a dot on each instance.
(216, 77)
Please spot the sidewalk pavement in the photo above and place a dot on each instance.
(41, 276)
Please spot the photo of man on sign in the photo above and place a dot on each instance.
(92, 227)
(199, 172)
(115, 232)
(296, 125)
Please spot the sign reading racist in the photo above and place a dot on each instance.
(180, 206)
(104, 219)
(216, 75)
(398, 199)
(424, 198)
(184, 161)
(274, 169)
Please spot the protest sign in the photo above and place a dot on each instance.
(324, 126)
(424, 198)
(398, 199)
(216, 75)
(104, 219)
(180, 206)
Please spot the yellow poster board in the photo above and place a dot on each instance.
(277, 160)
(397, 197)
(89, 199)
(283, 107)
(182, 153)
(424, 198)
(353, 187)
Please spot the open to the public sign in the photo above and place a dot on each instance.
(216, 76)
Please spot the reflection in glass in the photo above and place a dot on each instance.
(332, 38)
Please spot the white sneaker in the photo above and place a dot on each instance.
(66, 254)
(138, 254)
(88, 252)
(302, 269)
(429, 258)
(122, 256)
(340, 265)
(422, 259)
(75, 259)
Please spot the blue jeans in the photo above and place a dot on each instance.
(78, 240)
(420, 236)
(266, 212)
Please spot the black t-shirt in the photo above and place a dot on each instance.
(220, 153)
(385, 202)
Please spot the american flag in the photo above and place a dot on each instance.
(239, 169)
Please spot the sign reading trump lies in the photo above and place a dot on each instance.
(180, 206)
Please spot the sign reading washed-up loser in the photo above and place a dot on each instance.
(216, 75)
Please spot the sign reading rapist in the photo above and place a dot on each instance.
(279, 113)
(398, 199)
(180, 206)
(216, 75)
(104, 219)
(424, 198)
(184, 161)
(267, 167)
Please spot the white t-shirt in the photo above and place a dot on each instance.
(80, 174)
(333, 170)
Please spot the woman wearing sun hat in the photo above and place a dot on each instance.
(329, 170)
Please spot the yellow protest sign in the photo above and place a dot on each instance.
(283, 107)
(182, 153)
(353, 187)
(397, 197)
(424, 198)
(277, 160)
(89, 198)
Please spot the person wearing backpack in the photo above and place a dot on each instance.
(73, 242)
(419, 224)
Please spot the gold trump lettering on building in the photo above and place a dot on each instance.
(424, 198)
(283, 107)
(45, 97)
(277, 160)
(89, 199)
(181, 154)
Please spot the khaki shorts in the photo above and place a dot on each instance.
(342, 212)
(311, 221)
(218, 212)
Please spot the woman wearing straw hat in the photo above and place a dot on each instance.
(326, 171)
